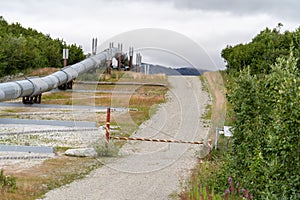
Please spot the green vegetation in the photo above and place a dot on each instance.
(7, 183)
(263, 51)
(265, 150)
(106, 150)
(263, 94)
(24, 49)
(208, 112)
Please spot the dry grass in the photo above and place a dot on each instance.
(143, 98)
(57, 98)
(196, 187)
(52, 173)
(43, 71)
(217, 90)
(7, 112)
(127, 76)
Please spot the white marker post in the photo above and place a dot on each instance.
(65, 56)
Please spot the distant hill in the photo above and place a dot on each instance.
(185, 71)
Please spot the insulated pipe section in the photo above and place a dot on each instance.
(61, 76)
(33, 87)
(11, 90)
(39, 86)
(51, 80)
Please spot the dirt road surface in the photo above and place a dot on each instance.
(148, 170)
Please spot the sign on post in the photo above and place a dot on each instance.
(227, 134)
(65, 53)
(227, 131)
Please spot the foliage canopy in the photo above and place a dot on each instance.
(22, 49)
(262, 51)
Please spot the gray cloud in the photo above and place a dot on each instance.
(230, 4)
(284, 9)
(210, 23)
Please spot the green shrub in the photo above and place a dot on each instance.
(106, 150)
(7, 183)
(265, 151)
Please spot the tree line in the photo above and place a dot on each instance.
(22, 49)
(261, 53)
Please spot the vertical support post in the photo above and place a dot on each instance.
(108, 67)
(65, 62)
(107, 126)
(130, 63)
(94, 46)
(109, 59)
(119, 56)
(209, 142)
(40, 98)
(130, 57)
(119, 62)
(65, 56)
(139, 62)
(217, 136)
(227, 142)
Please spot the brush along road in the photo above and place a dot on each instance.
(150, 170)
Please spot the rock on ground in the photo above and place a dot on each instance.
(82, 152)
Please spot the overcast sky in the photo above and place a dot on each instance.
(212, 24)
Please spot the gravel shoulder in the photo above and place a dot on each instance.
(146, 170)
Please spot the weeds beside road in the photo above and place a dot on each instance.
(196, 187)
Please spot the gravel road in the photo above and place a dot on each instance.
(148, 170)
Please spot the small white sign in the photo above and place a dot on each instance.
(227, 131)
(65, 53)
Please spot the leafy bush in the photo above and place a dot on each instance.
(265, 151)
(7, 183)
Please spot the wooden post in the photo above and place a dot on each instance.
(107, 126)
(217, 135)
(130, 63)
(65, 62)
(130, 57)
(227, 142)
(209, 142)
